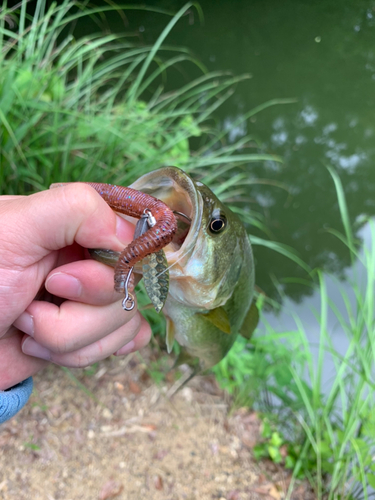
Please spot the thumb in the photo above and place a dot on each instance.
(50, 220)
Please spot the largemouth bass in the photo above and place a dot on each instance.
(211, 269)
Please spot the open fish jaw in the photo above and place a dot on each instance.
(178, 191)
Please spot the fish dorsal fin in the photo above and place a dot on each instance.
(219, 318)
(250, 322)
(170, 335)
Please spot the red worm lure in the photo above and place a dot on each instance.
(128, 201)
(134, 203)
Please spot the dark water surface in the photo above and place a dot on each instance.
(322, 54)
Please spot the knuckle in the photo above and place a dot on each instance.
(59, 345)
(81, 195)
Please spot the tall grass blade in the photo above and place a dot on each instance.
(285, 250)
(343, 210)
(133, 92)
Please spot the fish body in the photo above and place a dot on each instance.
(211, 268)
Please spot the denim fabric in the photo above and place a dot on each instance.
(12, 400)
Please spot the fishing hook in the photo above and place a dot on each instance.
(128, 303)
(182, 215)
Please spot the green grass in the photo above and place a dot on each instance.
(328, 429)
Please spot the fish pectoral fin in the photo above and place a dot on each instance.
(219, 318)
(185, 358)
(170, 335)
(250, 322)
(108, 257)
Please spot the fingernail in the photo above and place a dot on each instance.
(124, 229)
(32, 348)
(126, 349)
(64, 285)
(25, 323)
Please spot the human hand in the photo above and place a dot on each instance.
(42, 242)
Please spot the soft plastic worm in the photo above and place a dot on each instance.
(131, 202)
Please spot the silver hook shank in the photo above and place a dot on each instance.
(128, 303)
(182, 215)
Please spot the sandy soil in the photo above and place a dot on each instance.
(125, 439)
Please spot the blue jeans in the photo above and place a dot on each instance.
(15, 398)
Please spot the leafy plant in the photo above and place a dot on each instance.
(94, 108)
(90, 371)
(271, 444)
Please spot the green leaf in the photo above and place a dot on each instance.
(266, 429)
(285, 250)
(290, 462)
(260, 451)
(371, 480)
(275, 454)
(324, 449)
(32, 446)
(276, 440)
(343, 208)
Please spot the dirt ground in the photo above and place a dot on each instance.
(118, 435)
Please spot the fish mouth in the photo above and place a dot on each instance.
(177, 190)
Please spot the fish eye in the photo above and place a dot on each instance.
(218, 223)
